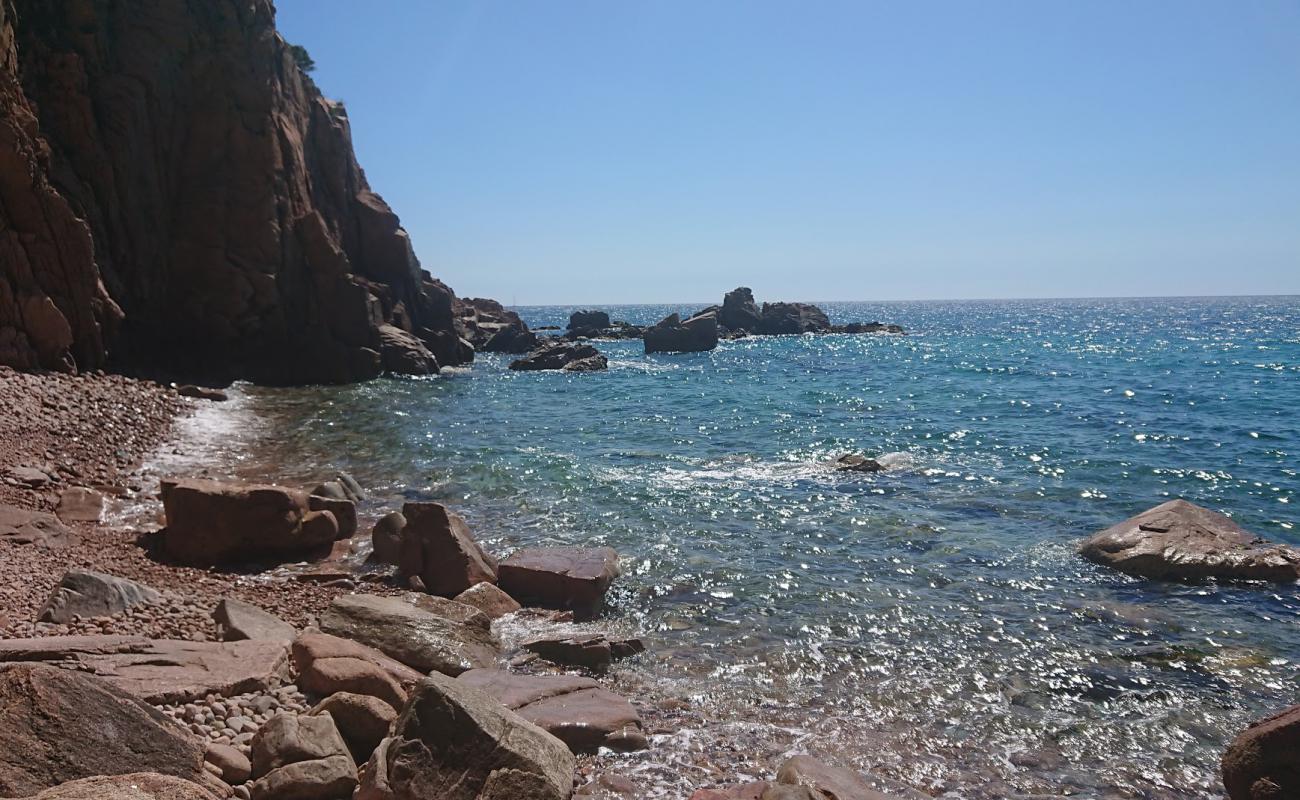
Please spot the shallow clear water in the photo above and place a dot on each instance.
(930, 624)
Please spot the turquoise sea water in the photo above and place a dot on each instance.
(930, 624)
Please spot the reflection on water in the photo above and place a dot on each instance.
(931, 623)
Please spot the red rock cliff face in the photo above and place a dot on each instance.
(229, 218)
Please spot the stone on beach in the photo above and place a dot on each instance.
(562, 578)
(237, 620)
(212, 522)
(328, 664)
(454, 742)
(576, 710)
(82, 593)
(673, 335)
(437, 546)
(344, 511)
(58, 725)
(489, 599)
(234, 766)
(80, 504)
(21, 526)
(421, 632)
(363, 720)
(1179, 540)
(1263, 762)
(386, 538)
(301, 757)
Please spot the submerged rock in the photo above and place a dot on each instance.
(593, 651)
(1179, 540)
(856, 463)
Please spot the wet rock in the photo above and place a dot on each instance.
(857, 463)
(132, 786)
(578, 711)
(425, 637)
(402, 353)
(160, 671)
(829, 781)
(202, 393)
(21, 526)
(54, 725)
(328, 664)
(344, 511)
(437, 546)
(454, 742)
(237, 620)
(82, 593)
(792, 318)
(1261, 763)
(1178, 540)
(672, 335)
(562, 578)
(301, 758)
(592, 651)
(489, 599)
(232, 765)
(744, 791)
(557, 354)
(361, 719)
(386, 538)
(211, 522)
(80, 504)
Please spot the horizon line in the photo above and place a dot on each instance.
(929, 300)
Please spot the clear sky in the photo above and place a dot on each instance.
(669, 150)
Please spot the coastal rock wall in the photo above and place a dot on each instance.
(170, 155)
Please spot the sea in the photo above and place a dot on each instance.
(930, 625)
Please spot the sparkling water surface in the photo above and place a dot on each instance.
(930, 624)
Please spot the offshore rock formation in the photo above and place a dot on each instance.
(177, 196)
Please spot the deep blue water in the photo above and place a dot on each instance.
(932, 623)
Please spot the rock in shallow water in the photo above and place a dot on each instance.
(562, 578)
(567, 356)
(437, 546)
(1263, 762)
(1179, 540)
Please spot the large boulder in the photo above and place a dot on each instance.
(489, 599)
(1263, 762)
(425, 633)
(82, 593)
(578, 711)
(211, 522)
(437, 546)
(132, 786)
(301, 758)
(792, 318)
(672, 335)
(58, 725)
(583, 320)
(330, 664)
(401, 353)
(363, 720)
(558, 354)
(21, 526)
(1181, 541)
(514, 339)
(344, 511)
(739, 311)
(454, 742)
(161, 670)
(564, 578)
(237, 620)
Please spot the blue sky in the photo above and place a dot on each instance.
(617, 151)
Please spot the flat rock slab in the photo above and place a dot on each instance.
(593, 651)
(58, 726)
(239, 621)
(425, 633)
(329, 664)
(564, 578)
(80, 504)
(160, 670)
(134, 786)
(1179, 540)
(82, 593)
(20, 526)
(577, 711)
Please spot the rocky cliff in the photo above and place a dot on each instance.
(176, 196)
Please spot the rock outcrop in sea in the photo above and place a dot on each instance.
(177, 196)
